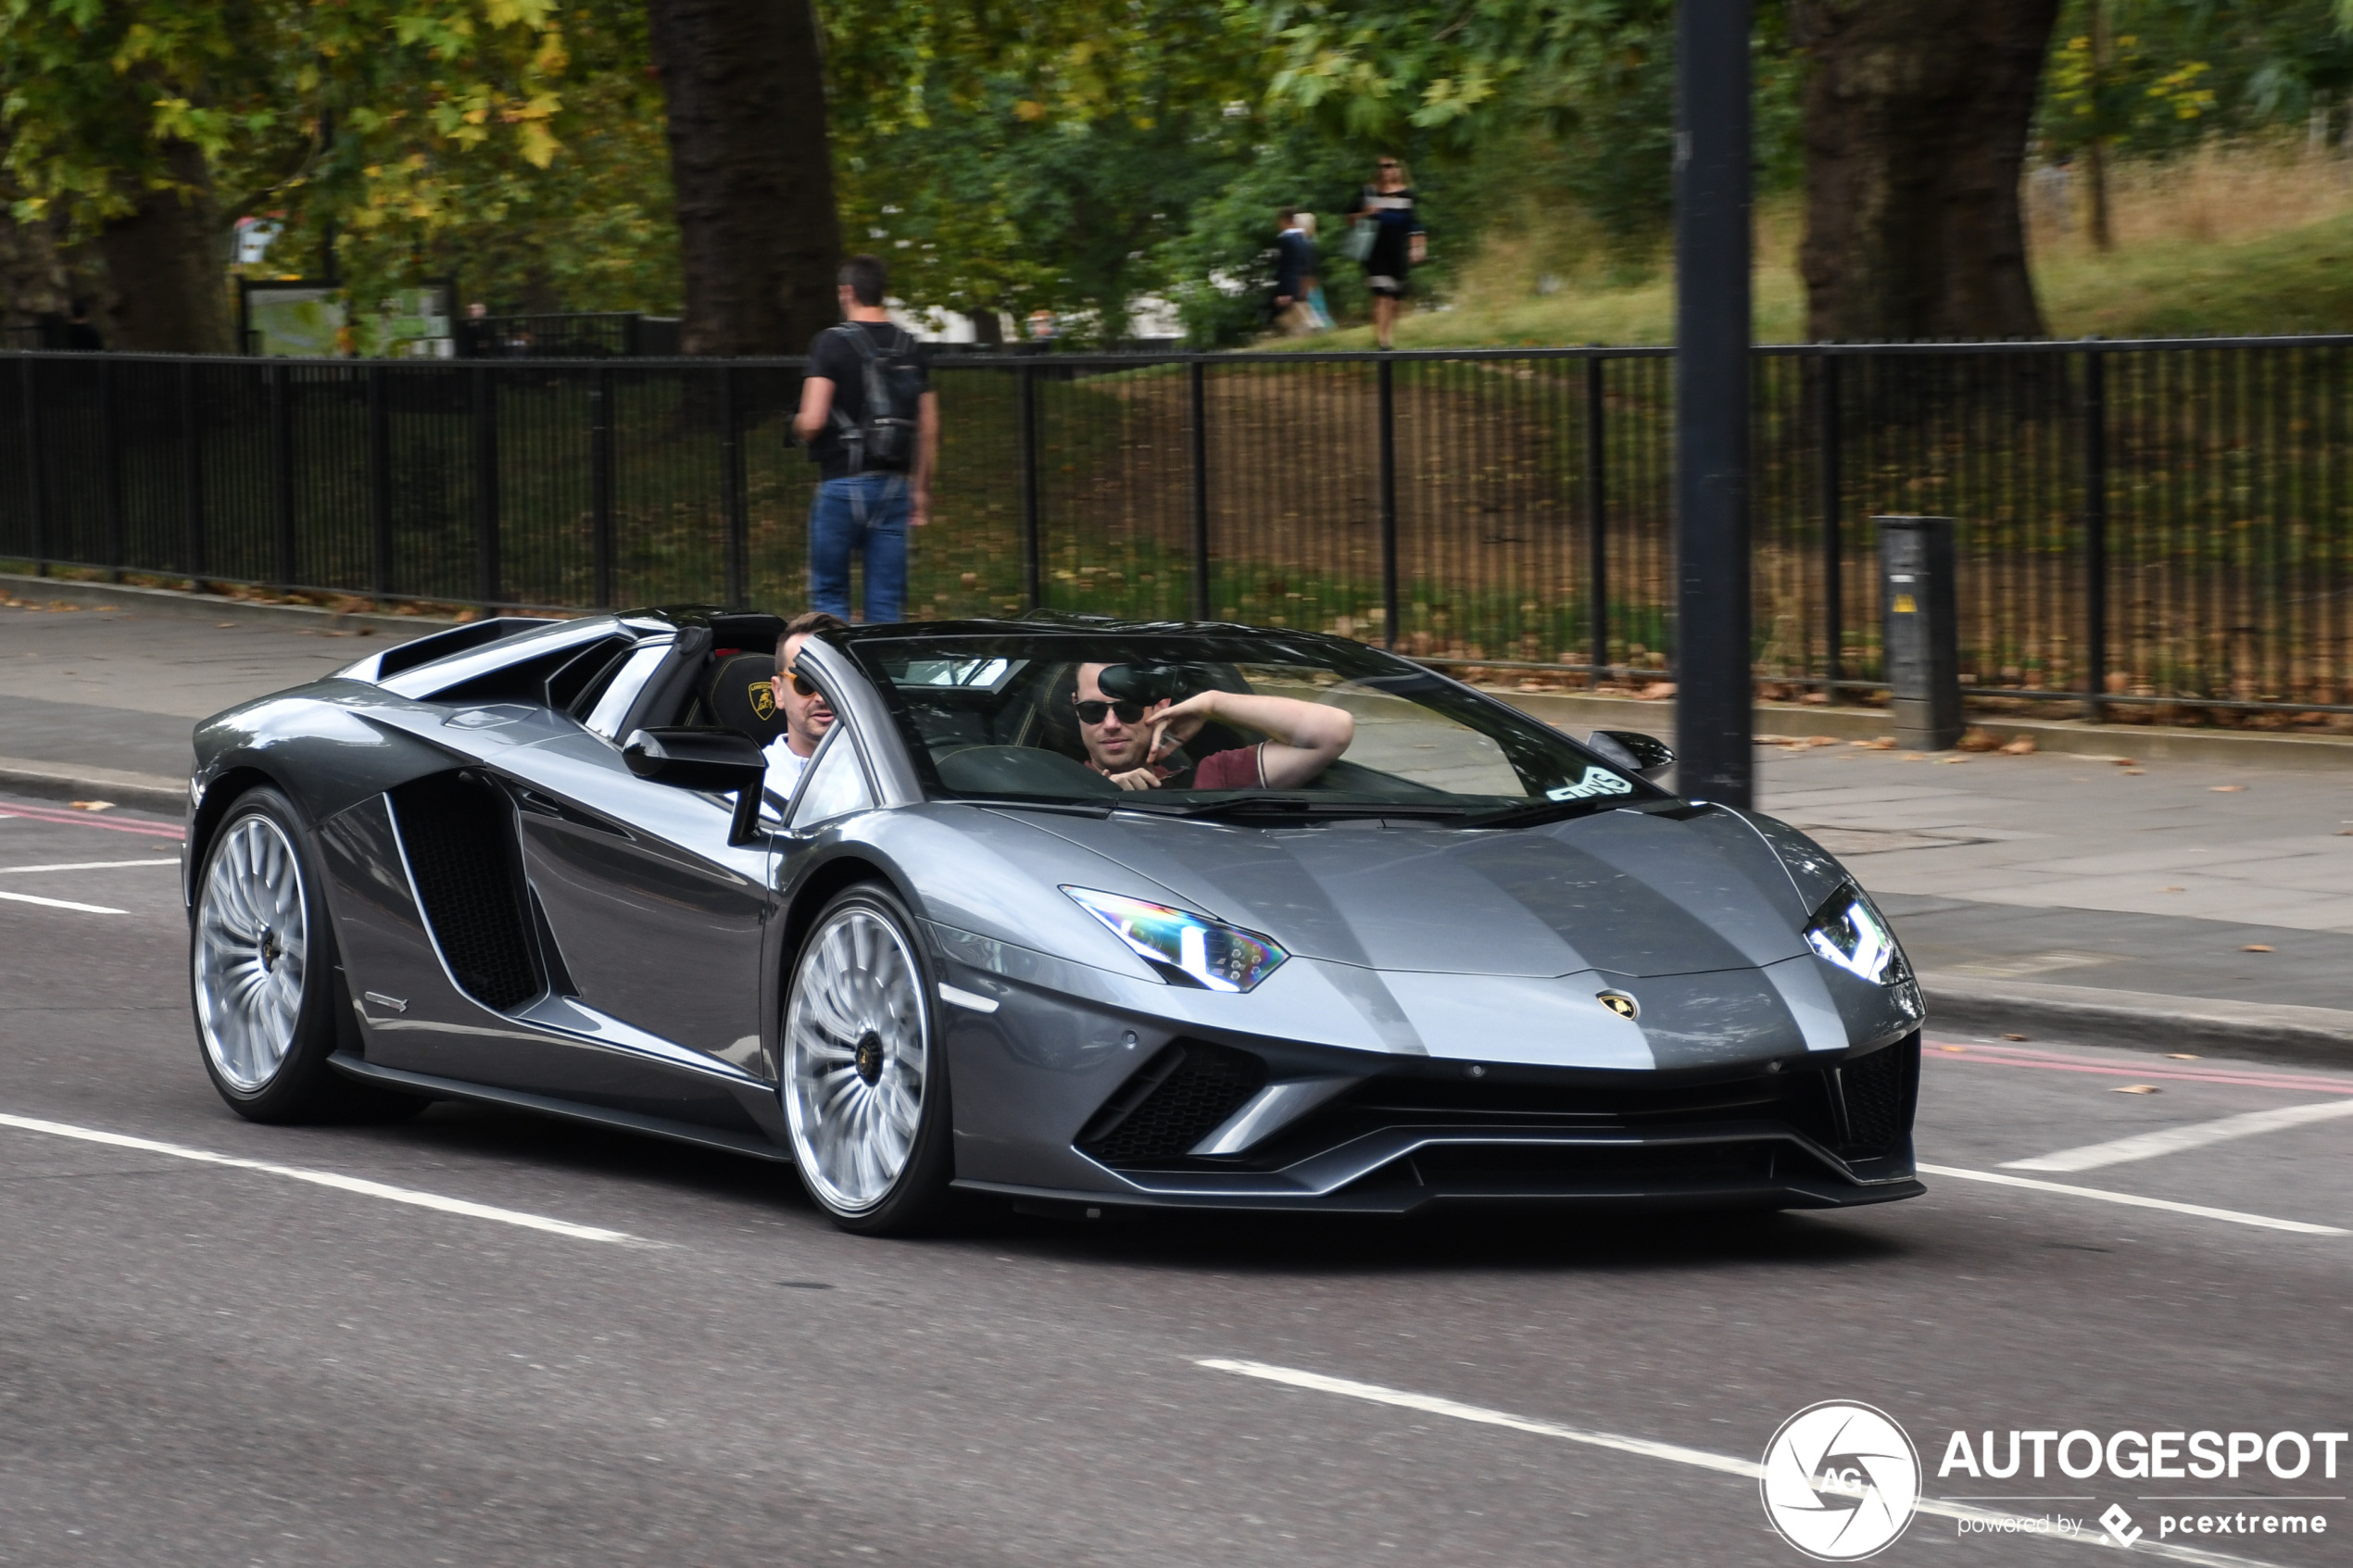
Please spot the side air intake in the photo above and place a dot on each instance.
(1879, 1091)
(459, 834)
(1173, 1101)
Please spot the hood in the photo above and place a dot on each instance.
(1630, 893)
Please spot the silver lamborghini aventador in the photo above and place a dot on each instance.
(1081, 913)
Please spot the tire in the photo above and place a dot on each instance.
(269, 1001)
(864, 1082)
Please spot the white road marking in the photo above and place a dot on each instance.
(61, 904)
(2135, 1200)
(2171, 1140)
(87, 866)
(1643, 1448)
(329, 1179)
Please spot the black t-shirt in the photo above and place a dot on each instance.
(837, 360)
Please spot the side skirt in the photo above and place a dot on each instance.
(352, 1066)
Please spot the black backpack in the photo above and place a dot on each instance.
(894, 385)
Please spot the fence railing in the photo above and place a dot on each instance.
(576, 335)
(2142, 523)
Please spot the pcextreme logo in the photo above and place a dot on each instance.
(1841, 1481)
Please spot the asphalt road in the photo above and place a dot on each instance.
(208, 1363)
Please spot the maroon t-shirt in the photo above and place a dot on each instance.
(1237, 769)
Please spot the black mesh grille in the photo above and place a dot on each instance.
(457, 834)
(1538, 1168)
(1193, 1086)
(1879, 1094)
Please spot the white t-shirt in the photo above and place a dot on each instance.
(785, 766)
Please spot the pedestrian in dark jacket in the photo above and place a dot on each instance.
(1399, 244)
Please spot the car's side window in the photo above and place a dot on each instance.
(621, 693)
(835, 785)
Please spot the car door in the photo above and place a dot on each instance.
(655, 919)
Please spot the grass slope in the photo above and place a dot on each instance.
(2299, 280)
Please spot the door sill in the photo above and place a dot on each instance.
(565, 1109)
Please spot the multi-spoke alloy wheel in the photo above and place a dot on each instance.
(263, 975)
(252, 952)
(861, 1084)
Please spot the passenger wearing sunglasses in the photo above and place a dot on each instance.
(807, 714)
(1138, 746)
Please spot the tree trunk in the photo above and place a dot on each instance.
(33, 282)
(1915, 118)
(167, 264)
(988, 329)
(2096, 153)
(752, 171)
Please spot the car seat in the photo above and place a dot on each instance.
(737, 693)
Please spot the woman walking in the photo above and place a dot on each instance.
(1398, 244)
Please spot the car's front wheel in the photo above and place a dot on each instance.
(865, 1086)
(262, 964)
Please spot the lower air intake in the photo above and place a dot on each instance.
(1177, 1099)
(1879, 1091)
(458, 834)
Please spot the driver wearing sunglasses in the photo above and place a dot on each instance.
(1136, 745)
(807, 714)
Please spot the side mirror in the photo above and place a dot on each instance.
(1646, 756)
(721, 761)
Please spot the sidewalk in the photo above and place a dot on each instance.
(2208, 902)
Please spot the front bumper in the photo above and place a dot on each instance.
(1803, 1134)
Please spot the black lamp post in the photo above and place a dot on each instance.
(1714, 724)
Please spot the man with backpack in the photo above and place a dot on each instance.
(871, 421)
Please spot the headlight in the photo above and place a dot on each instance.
(1848, 931)
(1184, 948)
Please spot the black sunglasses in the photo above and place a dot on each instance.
(801, 682)
(1092, 712)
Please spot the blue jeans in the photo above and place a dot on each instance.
(867, 513)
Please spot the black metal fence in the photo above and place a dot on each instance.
(2142, 523)
(576, 335)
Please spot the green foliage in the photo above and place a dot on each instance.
(1008, 159)
(2180, 71)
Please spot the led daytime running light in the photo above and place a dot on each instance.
(1849, 932)
(1217, 957)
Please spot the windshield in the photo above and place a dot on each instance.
(1240, 726)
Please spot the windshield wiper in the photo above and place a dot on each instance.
(1292, 806)
(1537, 812)
(1097, 809)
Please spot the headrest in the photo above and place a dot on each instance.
(739, 696)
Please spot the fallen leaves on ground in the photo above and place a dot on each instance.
(2257, 948)
(89, 804)
(2138, 1089)
(1884, 743)
(2224, 789)
(2023, 745)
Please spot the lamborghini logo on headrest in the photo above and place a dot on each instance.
(763, 699)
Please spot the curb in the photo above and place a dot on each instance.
(213, 606)
(1578, 712)
(2267, 1031)
(67, 781)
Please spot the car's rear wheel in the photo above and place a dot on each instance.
(865, 1086)
(262, 973)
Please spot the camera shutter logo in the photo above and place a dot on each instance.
(1841, 1481)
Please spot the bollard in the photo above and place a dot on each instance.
(1920, 635)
